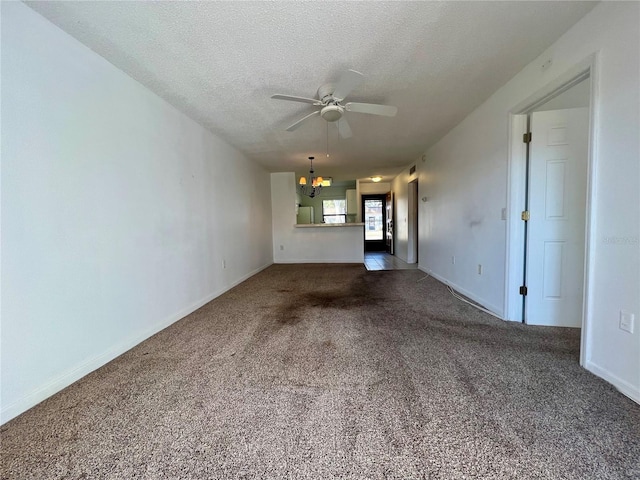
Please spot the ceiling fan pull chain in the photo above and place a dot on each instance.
(327, 140)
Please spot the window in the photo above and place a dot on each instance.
(334, 211)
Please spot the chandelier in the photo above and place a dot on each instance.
(314, 186)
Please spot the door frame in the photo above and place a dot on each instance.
(516, 172)
(412, 221)
(390, 223)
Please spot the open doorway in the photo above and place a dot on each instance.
(548, 229)
(412, 222)
(374, 216)
(390, 246)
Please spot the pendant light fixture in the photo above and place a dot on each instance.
(313, 187)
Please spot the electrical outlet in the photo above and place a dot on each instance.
(627, 320)
(479, 269)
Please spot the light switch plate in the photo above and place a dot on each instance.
(627, 319)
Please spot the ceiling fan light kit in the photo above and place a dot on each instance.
(332, 113)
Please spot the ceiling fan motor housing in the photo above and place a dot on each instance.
(325, 93)
(332, 110)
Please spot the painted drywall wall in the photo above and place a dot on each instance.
(313, 244)
(369, 188)
(117, 212)
(465, 175)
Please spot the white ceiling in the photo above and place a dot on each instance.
(219, 62)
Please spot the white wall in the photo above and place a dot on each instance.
(117, 212)
(465, 179)
(369, 188)
(313, 244)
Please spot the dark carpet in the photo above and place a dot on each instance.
(329, 371)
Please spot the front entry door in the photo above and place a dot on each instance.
(374, 218)
(557, 206)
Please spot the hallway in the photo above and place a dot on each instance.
(384, 261)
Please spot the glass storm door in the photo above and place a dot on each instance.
(373, 216)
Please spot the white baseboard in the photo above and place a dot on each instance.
(239, 281)
(624, 387)
(499, 311)
(325, 260)
(76, 373)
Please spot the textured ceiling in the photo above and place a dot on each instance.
(219, 62)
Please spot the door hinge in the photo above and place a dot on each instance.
(526, 138)
(523, 290)
(525, 215)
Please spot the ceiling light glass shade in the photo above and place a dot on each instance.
(376, 179)
(332, 113)
(303, 181)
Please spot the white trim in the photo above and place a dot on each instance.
(514, 263)
(74, 374)
(290, 261)
(591, 217)
(557, 85)
(622, 386)
(587, 67)
(480, 301)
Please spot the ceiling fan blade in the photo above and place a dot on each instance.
(292, 98)
(344, 129)
(349, 80)
(372, 108)
(291, 128)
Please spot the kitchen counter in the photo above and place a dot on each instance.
(327, 225)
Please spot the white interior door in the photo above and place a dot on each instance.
(557, 206)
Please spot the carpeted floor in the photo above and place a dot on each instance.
(329, 371)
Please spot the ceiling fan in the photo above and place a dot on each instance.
(330, 98)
